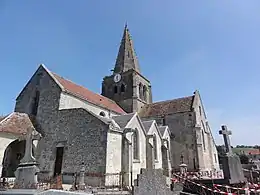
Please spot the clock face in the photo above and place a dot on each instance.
(117, 78)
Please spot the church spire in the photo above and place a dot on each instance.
(126, 58)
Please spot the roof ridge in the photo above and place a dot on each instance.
(164, 101)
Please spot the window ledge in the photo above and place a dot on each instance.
(136, 161)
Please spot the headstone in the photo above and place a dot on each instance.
(151, 182)
(183, 169)
(82, 185)
(26, 173)
(232, 168)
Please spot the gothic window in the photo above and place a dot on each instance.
(135, 145)
(102, 114)
(115, 89)
(122, 88)
(200, 111)
(155, 147)
(145, 93)
(35, 103)
(140, 91)
(203, 140)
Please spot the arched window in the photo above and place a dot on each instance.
(145, 93)
(203, 140)
(141, 91)
(155, 147)
(200, 111)
(115, 89)
(102, 114)
(122, 88)
(135, 145)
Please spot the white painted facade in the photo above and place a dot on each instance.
(5, 140)
(135, 123)
(155, 132)
(207, 151)
(68, 101)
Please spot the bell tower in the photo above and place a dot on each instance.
(127, 86)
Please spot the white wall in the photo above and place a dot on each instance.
(208, 155)
(68, 101)
(152, 131)
(113, 157)
(5, 140)
(137, 165)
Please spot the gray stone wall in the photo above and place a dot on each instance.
(84, 138)
(183, 138)
(48, 107)
(129, 100)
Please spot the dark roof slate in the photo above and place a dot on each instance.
(162, 129)
(122, 120)
(147, 125)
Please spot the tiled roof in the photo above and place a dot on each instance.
(123, 119)
(16, 123)
(88, 95)
(167, 107)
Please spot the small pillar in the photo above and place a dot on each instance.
(82, 185)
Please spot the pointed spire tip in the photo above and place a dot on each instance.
(125, 25)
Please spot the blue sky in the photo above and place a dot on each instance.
(212, 46)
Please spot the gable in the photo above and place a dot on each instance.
(85, 94)
(179, 105)
(123, 120)
(41, 69)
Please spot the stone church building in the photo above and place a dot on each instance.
(115, 133)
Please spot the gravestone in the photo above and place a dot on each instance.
(26, 173)
(232, 167)
(152, 182)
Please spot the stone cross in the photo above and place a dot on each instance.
(31, 135)
(224, 131)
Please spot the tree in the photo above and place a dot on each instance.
(244, 159)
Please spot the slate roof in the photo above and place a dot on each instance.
(16, 123)
(147, 125)
(88, 95)
(123, 119)
(167, 107)
(162, 129)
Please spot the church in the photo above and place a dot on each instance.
(115, 133)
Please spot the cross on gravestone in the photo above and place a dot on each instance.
(224, 131)
(30, 137)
